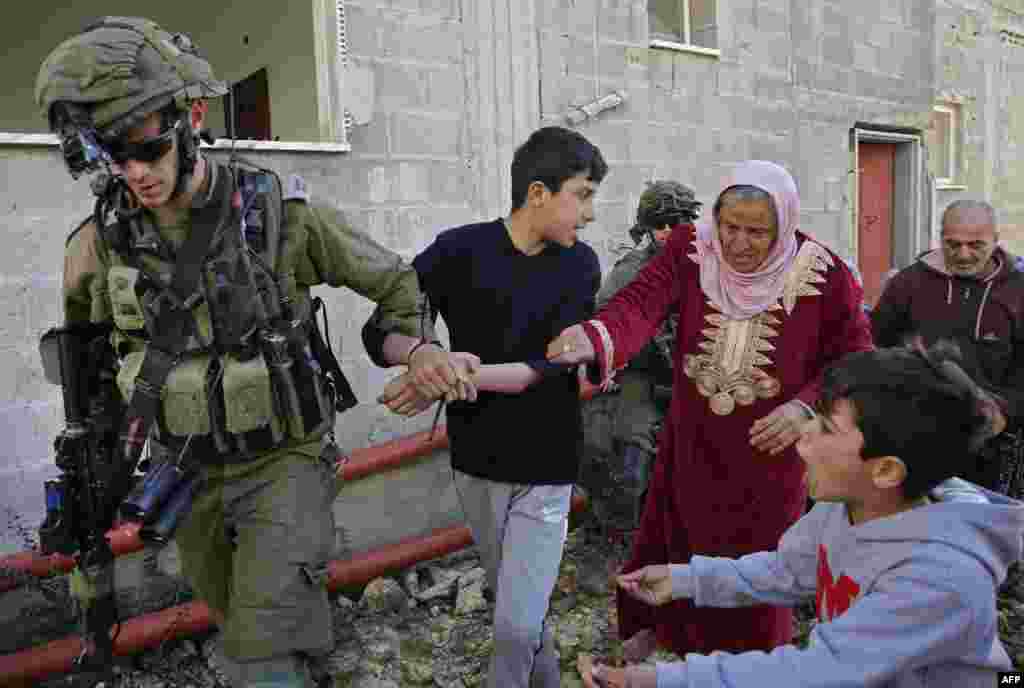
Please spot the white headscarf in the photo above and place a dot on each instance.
(744, 295)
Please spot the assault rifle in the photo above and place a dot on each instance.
(82, 503)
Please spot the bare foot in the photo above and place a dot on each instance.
(640, 646)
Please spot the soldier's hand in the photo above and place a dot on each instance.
(402, 397)
(651, 584)
(571, 346)
(779, 429)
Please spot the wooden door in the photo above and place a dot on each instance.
(874, 217)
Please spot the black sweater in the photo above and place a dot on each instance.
(505, 307)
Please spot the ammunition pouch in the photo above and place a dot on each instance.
(237, 406)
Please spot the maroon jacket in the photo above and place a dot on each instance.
(984, 317)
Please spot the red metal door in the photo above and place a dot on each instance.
(874, 220)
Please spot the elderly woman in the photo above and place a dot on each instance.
(762, 310)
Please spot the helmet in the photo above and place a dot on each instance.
(101, 82)
(663, 203)
(121, 69)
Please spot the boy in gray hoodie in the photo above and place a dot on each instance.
(901, 559)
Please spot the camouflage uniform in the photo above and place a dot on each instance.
(261, 529)
(621, 427)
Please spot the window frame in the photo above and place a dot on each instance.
(333, 118)
(951, 178)
(686, 45)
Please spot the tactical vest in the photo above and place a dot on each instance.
(254, 372)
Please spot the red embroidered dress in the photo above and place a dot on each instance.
(711, 492)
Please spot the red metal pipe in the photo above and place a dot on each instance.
(148, 631)
(124, 539)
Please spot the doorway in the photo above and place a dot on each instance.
(875, 218)
(888, 221)
(247, 108)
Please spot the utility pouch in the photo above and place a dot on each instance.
(151, 492)
(314, 403)
(161, 529)
(124, 298)
(129, 370)
(249, 397)
(186, 406)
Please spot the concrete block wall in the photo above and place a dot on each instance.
(791, 80)
(982, 70)
(40, 206)
(456, 85)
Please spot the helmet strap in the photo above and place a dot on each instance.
(188, 148)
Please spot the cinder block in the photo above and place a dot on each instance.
(44, 308)
(581, 18)
(444, 9)
(920, 14)
(615, 21)
(399, 86)
(773, 87)
(423, 39)
(835, 19)
(363, 30)
(450, 183)
(579, 57)
(446, 89)
(612, 60)
(415, 134)
(648, 144)
(734, 79)
(866, 57)
(370, 139)
(837, 49)
(13, 316)
(770, 19)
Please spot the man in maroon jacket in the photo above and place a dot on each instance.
(971, 291)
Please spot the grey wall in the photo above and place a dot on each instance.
(457, 85)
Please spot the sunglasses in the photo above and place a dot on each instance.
(149, 150)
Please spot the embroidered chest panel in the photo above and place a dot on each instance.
(728, 368)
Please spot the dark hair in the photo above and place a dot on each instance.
(913, 403)
(550, 156)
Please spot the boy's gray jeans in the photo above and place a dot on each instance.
(520, 532)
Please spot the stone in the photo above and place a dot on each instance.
(470, 599)
(384, 596)
(418, 672)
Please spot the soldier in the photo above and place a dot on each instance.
(204, 270)
(621, 428)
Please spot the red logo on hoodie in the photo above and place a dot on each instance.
(833, 596)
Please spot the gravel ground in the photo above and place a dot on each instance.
(429, 626)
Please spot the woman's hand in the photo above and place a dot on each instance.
(651, 584)
(780, 428)
(571, 346)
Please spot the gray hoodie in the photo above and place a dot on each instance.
(903, 601)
